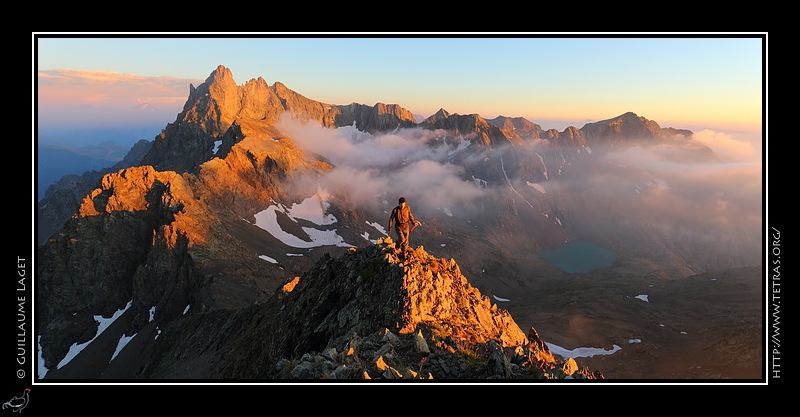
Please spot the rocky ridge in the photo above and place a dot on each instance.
(371, 313)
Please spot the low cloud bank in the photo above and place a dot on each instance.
(375, 170)
(624, 194)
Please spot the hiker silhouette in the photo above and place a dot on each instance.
(404, 222)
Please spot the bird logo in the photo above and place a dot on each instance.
(18, 403)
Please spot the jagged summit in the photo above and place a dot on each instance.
(371, 313)
(217, 105)
(440, 114)
(483, 133)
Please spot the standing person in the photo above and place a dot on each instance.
(402, 219)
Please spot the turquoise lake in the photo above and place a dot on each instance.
(578, 256)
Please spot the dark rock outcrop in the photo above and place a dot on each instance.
(127, 243)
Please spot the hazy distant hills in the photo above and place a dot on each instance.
(74, 150)
(54, 161)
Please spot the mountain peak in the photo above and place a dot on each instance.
(628, 126)
(220, 73)
(440, 115)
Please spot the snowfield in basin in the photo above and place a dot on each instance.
(312, 209)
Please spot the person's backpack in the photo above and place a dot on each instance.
(402, 214)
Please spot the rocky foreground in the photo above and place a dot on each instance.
(372, 313)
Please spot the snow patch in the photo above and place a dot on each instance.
(463, 144)
(581, 352)
(102, 325)
(378, 227)
(480, 183)
(365, 235)
(268, 259)
(538, 187)
(508, 181)
(123, 341)
(312, 209)
(642, 297)
(41, 370)
(541, 160)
